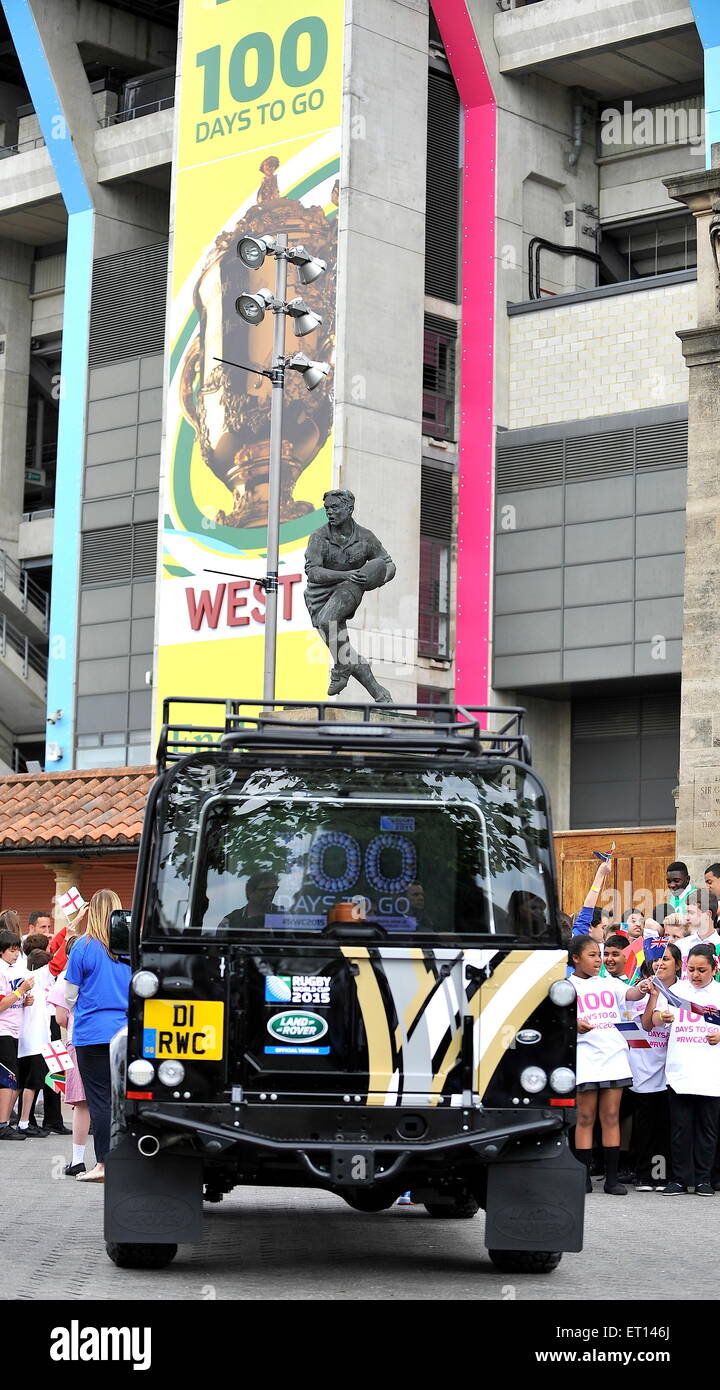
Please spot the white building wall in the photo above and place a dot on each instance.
(599, 357)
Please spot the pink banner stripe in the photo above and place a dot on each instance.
(478, 344)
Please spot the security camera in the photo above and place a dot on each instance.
(53, 718)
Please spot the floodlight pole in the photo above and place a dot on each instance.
(277, 377)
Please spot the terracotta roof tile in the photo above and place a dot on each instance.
(102, 806)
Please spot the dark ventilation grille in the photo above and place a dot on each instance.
(626, 718)
(443, 189)
(436, 504)
(107, 556)
(599, 455)
(435, 323)
(528, 465)
(128, 304)
(144, 559)
(436, 495)
(600, 719)
(660, 714)
(439, 377)
(119, 554)
(580, 458)
(662, 446)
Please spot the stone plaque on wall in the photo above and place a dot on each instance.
(706, 811)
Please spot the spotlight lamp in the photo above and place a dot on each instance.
(304, 320)
(312, 372)
(253, 307)
(252, 250)
(309, 267)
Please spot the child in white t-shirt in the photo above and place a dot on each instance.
(15, 995)
(603, 1066)
(648, 1055)
(34, 1035)
(693, 1074)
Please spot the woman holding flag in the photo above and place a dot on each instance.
(692, 1009)
(74, 1090)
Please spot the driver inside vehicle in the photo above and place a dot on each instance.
(260, 891)
(527, 914)
(415, 894)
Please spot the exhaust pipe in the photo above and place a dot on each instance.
(148, 1145)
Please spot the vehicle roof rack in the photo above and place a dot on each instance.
(318, 725)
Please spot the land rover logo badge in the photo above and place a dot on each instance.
(528, 1035)
(297, 1026)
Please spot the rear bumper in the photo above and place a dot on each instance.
(309, 1135)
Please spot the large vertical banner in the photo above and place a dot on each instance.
(257, 152)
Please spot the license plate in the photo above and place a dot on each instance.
(183, 1029)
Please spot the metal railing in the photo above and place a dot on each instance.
(119, 117)
(33, 659)
(249, 724)
(30, 592)
(35, 144)
(45, 514)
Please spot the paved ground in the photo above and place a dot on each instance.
(270, 1243)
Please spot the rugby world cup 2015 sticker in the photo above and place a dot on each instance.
(297, 1030)
(297, 989)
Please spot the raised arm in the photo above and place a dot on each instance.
(582, 921)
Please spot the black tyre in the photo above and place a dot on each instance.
(459, 1209)
(525, 1261)
(141, 1256)
(118, 1085)
(368, 1201)
(118, 1126)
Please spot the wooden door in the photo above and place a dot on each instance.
(639, 863)
(108, 872)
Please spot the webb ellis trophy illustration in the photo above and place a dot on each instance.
(256, 440)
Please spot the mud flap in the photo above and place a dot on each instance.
(152, 1201)
(536, 1201)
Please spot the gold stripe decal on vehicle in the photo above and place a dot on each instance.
(375, 1022)
(445, 1066)
(514, 991)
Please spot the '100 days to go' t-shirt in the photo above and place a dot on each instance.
(602, 1054)
(693, 1065)
(11, 1018)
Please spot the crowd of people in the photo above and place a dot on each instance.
(648, 1025)
(51, 981)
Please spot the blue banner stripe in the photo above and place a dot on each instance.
(45, 99)
(707, 20)
(77, 198)
(62, 665)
